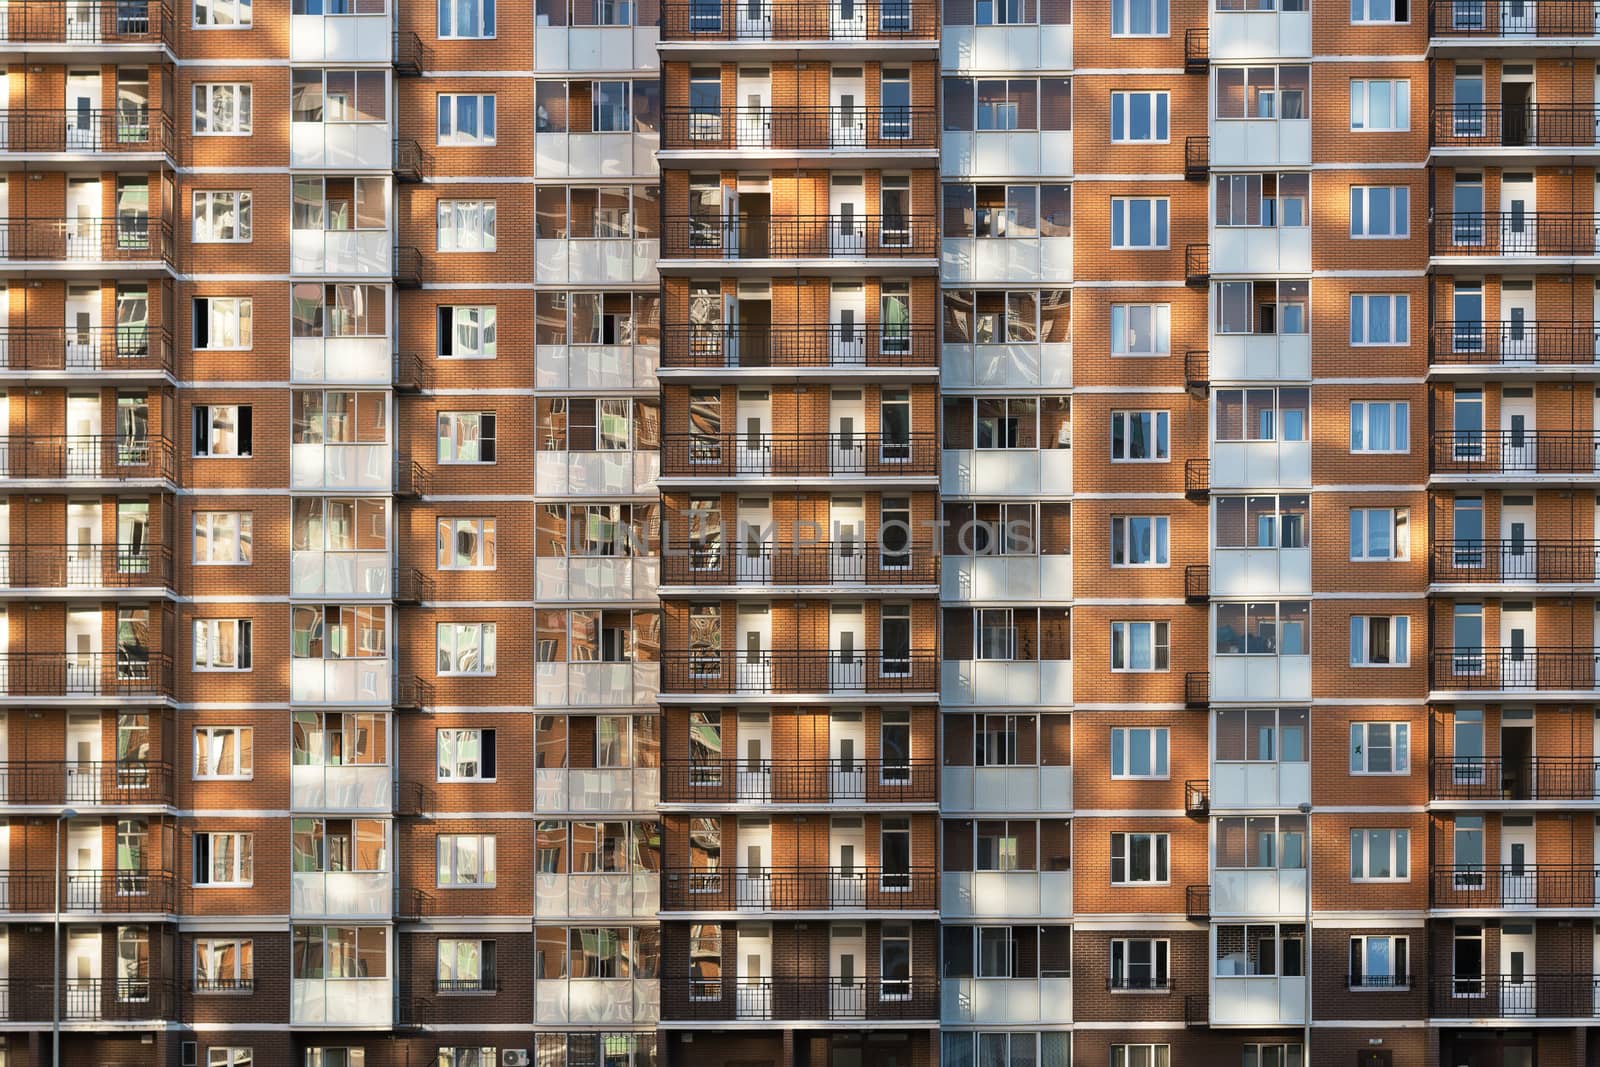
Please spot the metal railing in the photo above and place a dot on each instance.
(1196, 583)
(87, 130)
(864, 998)
(772, 455)
(798, 20)
(1197, 689)
(786, 781)
(1197, 264)
(1473, 342)
(830, 344)
(1196, 50)
(1522, 778)
(135, 238)
(1197, 901)
(1511, 885)
(99, 348)
(1196, 157)
(86, 22)
(1517, 996)
(109, 892)
(411, 161)
(85, 782)
(800, 237)
(800, 127)
(1512, 18)
(1514, 233)
(790, 889)
(820, 671)
(768, 564)
(1515, 125)
(1197, 796)
(85, 566)
(131, 672)
(1516, 452)
(1515, 667)
(407, 266)
(1196, 477)
(462, 986)
(89, 457)
(202, 984)
(1542, 560)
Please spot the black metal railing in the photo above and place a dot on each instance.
(1512, 18)
(112, 999)
(826, 563)
(88, 891)
(1197, 264)
(1515, 996)
(90, 457)
(800, 237)
(1515, 125)
(92, 349)
(89, 130)
(789, 671)
(1196, 477)
(1196, 50)
(205, 984)
(1543, 560)
(411, 161)
(790, 889)
(85, 782)
(1512, 885)
(1377, 981)
(871, 455)
(1144, 983)
(86, 22)
(1197, 369)
(1514, 233)
(407, 266)
(410, 56)
(1196, 583)
(797, 20)
(1197, 901)
(829, 344)
(758, 999)
(1196, 157)
(129, 672)
(1516, 452)
(786, 781)
(85, 566)
(1197, 1011)
(805, 126)
(135, 238)
(1519, 778)
(1475, 343)
(1514, 667)
(1197, 796)
(411, 478)
(408, 372)
(1197, 689)
(461, 986)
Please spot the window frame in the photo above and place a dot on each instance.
(1160, 646)
(1399, 643)
(243, 658)
(1399, 534)
(1399, 849)
(243, 322)
(211, 5)
(1396, 111)
(1160, 223)
(483, 528)
(1398, 195)
(243, 108)
(200, 741)
(487, 862)
(1160, 105)
(485, 11)
(243, 215)
(243, 866)
(486, 422)
(1160, 331)
(486, 744)
(1161, 433)
(243, 534)
(1160, 18)
(1159, 748)
(487, 327)
(1160, 964)
(1398, 423)
(484, 649)
(1122, 541)
(486, 118)
(486, 211)
(1160, 857)
(1399, 746)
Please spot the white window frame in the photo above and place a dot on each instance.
(1399, 113)
(1160, 646)
(213, 449)
(1160, 116)
(484, 1055)
(239, 201)
(207, 523)
(242, 872)
(1160, 330)
(203, 737)
(1158, 745)
(1399, 640)
(1160, 209)
(1160, 963)
(1399, 319)
(485, 325)
(446, 439)
(237, 316)
(231, 1056)
(205, 95)
(447, 30)
(483, 529)
(451, 638)
(1365, 8)
(1399, 838)
(447, 749)
(1397, 418)
(1398, 222)
(1122, 541)
(1398, 523)
(1160, 13)
(1141, 1055)
(206, 633)
(239, 975)
(1397, 978)
(1161, 434)
(1157, 856)
(447, 132)
(239, 8)
(447, 858)
(1399, 748)
(482, 210)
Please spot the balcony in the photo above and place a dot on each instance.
(139, 351)
(1520, 452)
(1495, 127)
(1257, 1000)
(1252, 677)
(873, 131)
(778, 889)
(563, 155)
(800, 455)
(133, 673)
(52, 783)
(364, 253)
(88, 892)
(1005, 894)
(817, 237)
(1238, 784)
(1243, 34)
(1017, 260)
(1257, 464)
(317, 573)
(611, 895)
(1520, 562)
(367, 1002)
(1008, 682)
(596, 260)
(1261, 249)
(1006, 1001)
(1247, 142)
(715, 21)
(1515, 996)
(595, 1001)
(1197, 690)
(337, 465)
(1516, 235)
(766, 565)
(94, 1000)
(346, 145)
(596, 578)
(1197, 903)
(352, 360)
(596, 684)
(854, 999)
(1474, 344)
(85, 567)
(1501, 778)
(818, 672)
(827, 346)
(346, 37)
(720, 783)
(88, 24)
(585, 367)
(1260, 572)
(343, 788)
(596, 790)
(1197, 50)
(1020, 46)
(1005, 789)
(93, 131)
(86, 458)
(616, 472)
(85, 243)
(1006, 365)
(411, 161)
(343, 894)
(1257, 892)
(1514, 668)
(1006, 578)
(1515, 887)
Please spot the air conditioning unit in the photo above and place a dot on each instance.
(513, 1057)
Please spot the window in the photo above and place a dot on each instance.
(466, 648)
(1380, 855)
(224, 965)
(1139, 646)
(466, 860)
(223, 323)
(1380, 319)
(466, 437)
(610, 111)
(1380, 640)
(467, 331)
(469, 19)
(1263, 200)
(1139, 118)
(1138, 222)
(1261, 842)
(474, 1055)
(466, 225)
(466, 544)
(1383, 11)
(225, 859)
(1380, 426)
(1380, 105)
(466, 119)
(222, 430)
(1262, 414)
(1139, 963)
(224, 752)
(1140, 437)
(1138, 540)
(222, 644)
(1380, 211)
(1138, 752)
(222, 14)
(1141, 329)
(230, 1056)
(221, 217)
(1263, 628)
(465, 755)
(1380, 533)
(222, 109)
(1380, 748)
(1141, 1056)
(1139, 859)
(466, 966)
(1263, 93)
(1379, 962)
(223, 537)
(1262, 735)
(1138, 18)
(322, 952)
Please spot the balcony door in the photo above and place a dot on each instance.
(847, 739)
(847, 665)
(755, 864)
(85, 861)
(83, 212)
(755, 757)
(83, 440)
(755, 445)
(847, 117)
(848, 540)
(1517, 428)
(755, 540)
(82, 993)
(847, 205)
(83, 543)
(83, 107)
(846, 420)
(1518, 236)
(83, 650)
(83, 325)
(753, 652)
(847, 313)
(755, 972)
(83, 756)
(754, 116)
(1517, 560)
(847, 954)
(1517, 320)
(1518, 878)
(1517, 666)
(1517, 983)
(847, 849)
(1517, 106)
(1517, 776)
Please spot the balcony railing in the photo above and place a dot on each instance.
(1476, 343)
(860, 998)
(86, 22)
(790, 781)
(89, 457)
(130, 672)
(815, 455)
(1516, 886)
(787, 889)
(1516, 452)
(820, 671)
(1515, 126)
(85, 782)
(1514, 233)
(1524, 778)
(88, 891)
(829, 344)
(798, 20)
(1516, 996)
(768, 564)
(818, 127)
(124, 240)
(80, 566)
(91, 130)
(801, 237)
(1197, 902)
(1512, 18)
(1515, 667)
(101, 348)
(1544, 560)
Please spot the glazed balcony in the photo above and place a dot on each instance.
(1005, 894)
(132, 673)
(1516, 996)
(1495, 345)
(818, 672)
(1513, 20)
(785, 889)
(1545, 561)
(805, 128)
(762, 566)
(596, 578)
(352, 35)
(854, 999)
(1515, 668)
(596, 790)
(1247, 32)
(596, 683)
(1002, 790)
(86, 25)
(88, 892)
(1498, 126)
(597, 895)
(92, 131)
(85, 567)
(596, 1001)
(1522, 236)
(718, 783)
(1498, 778)
(819, 237)
(711, 21)
(80, 783)
(829, 345)
(1516, 452)
(603, 472)
(800, 455)
(344, 788)
(81, 243)
(1515, 886)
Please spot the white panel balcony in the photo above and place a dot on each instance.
(340, 145)
(596, 261)
(597, 790)
(365, 253)
(1257, 1001)
(1006, 682)
(340, 39)
(1003, 1001)
(1260, 572)
(596, 684)
(1007, 154)
(340, 574)
(341, 894)
(1006, 471)
(1261, 250)
(332, 788)
(1258, 893)
(1005, 789)
(340, 681)
(596, 578)
(1260, 464)
(594, 48)
(595, 155)
(1017, 48)
(1259, 357)
(596, 366)
(341, 466)
(342, 360)
(618, 472)
(1239, 35)
(1004, 894)
(1260, 143)
(1006, 260)
(1247, 678)
(1258, 784)
(590, 1001)
(597, 896)
(341, 1002)
(1011, 366)
(1025, 579)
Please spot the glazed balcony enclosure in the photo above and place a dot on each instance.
(1257, 975)
(1039, 778)
(789, 889)
(1470, 344)
(735, 236)
(856, 129)
(848, 782)
(595, 1001)
(596, 790)
(121, 131)
(1000, 975)
(1482, 21)
(360, 33)
(855, 999)
(1247, 32)
(851, 345)
(763, 563)
(342, 975)
(713, 21)
(816, 671)
(1517, 452)
(138, 25)
(1515, 887)
(1532, 562)
(1006, 656)
(897, 454)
